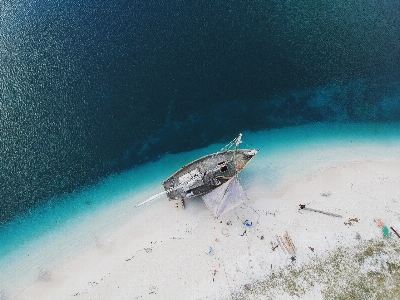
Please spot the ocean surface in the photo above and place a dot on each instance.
(93, 88)
(101, 101)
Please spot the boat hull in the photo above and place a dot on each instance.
(206, 173)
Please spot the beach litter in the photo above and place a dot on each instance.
(351, 221)
(286, 243)
(289, 241)
(303, 206)
(248, 223)
(209, 250)
(152, 290)
(382, 225)
(247, 286)
(385, 231)
(215, 273)
(326, 194)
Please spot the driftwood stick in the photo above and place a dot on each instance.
(302, 206)
(395, 232)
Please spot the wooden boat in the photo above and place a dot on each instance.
(207, 173)
(213, 176)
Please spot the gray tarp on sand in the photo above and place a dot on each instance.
(226, 197)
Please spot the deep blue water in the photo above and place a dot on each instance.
(92, 88)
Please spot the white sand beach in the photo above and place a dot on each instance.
(163, 251)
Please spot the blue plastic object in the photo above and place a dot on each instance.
(248, 223)
(386, 232)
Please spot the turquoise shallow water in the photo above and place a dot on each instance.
(288, 153)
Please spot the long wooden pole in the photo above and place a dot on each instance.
(302, 206)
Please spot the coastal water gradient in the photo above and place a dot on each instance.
(101, 101)
(48, 235)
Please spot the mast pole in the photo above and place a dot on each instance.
(238, 141)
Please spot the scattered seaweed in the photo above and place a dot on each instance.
(370, 270)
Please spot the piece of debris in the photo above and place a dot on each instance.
(303, 206)
(351, 221)
(382, 225)
(216, 239)
(395, 232)
(209, 250)
(152, 290)
(229, 223)
(326, 194)
(262, 237)
(214, 273)
(248, 223)
(312, 249)
(289, 240)
(282, 243)
(247, 286)
(176, 204)
(286, 243)
(274, 247)
(148, 250)
(386, 232)
(379, 222)
(183, 203)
